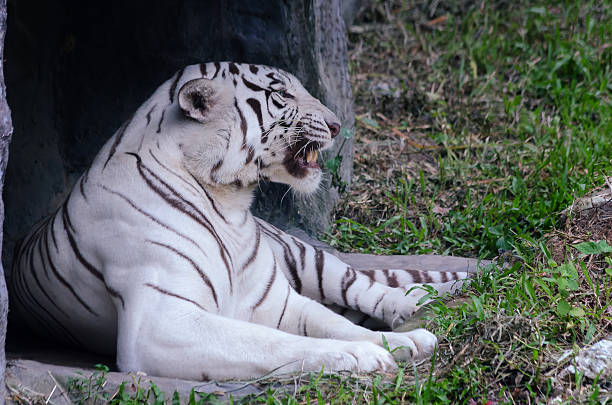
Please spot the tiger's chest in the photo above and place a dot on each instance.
(242, 261)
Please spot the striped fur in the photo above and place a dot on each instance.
(155, 257)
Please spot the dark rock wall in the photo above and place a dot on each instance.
(76, 70)
(6, 130)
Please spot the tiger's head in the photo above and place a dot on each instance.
(241, 123)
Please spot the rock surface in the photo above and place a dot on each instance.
(49, 383)
(593, 362)
(6, 130)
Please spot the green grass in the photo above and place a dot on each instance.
(526, 102)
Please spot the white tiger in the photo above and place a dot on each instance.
(155, 257)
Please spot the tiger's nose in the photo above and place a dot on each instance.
(334, 128)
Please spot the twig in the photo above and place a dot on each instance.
(60, 387)
(435, 21)
(51, 394)
(360, 29)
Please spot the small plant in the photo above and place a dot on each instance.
(90, 389)
(93, 390)
(333, 164)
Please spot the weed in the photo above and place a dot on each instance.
(93, 390)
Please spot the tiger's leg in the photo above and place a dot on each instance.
(409, 281)
(306, 317)
(163, 335)
(326, 279)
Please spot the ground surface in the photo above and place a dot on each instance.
(478, 126)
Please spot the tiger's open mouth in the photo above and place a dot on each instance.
(303, 156)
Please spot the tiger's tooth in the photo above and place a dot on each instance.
(312, 156)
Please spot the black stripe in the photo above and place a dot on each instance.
(149, 114)
(179, 74)
(391, 279)
(284, 307)
(243, 123)
(215, 168)
(277, 104)
(268, 287)
(302, 250)
(233, 68)
(274, 79)
(75, 248)
(27, 242)
(347, 281)
(254, 69)
(210, 199)
(203, 69)
(36, 304)
(370, 274)
(42, 264)
(55, 215)
(319, 263)
(251, 85)
(81, 187)
(268, 94)
(304, 331)
(250, 154)
(377, 303)
(289, 260)
(118, 138)
(217, 67)
(253, 254)
(171, 294)
(197, 268)
(160, 121)
(256, 107)
(69, 229)
(63, 280)
(416, 275)
(444, 276)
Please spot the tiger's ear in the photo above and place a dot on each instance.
(197, 97)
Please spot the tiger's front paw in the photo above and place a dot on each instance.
(415, 345)
(357, 357)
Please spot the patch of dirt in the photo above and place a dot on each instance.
(588, 219)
